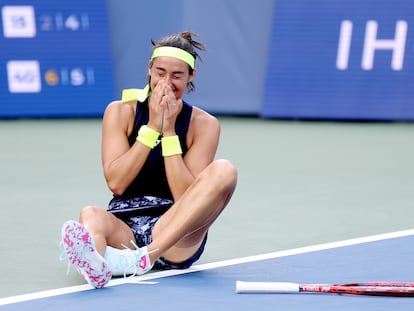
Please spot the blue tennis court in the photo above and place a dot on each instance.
(211, 286)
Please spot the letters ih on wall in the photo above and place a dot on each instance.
(334, 59)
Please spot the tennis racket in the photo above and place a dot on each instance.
(396, 289)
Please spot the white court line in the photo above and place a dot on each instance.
(144, 278)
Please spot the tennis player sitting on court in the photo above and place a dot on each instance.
(158, 160)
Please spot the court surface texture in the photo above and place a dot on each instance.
(303, 186)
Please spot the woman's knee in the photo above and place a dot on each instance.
(89, 213)
(225, 171)
(221, 175)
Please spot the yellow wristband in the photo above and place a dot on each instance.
(147, 136)
(170, 146)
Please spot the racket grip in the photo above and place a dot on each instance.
(266, 287)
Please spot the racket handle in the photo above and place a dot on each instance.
(266, 287)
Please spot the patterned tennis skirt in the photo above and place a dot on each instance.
(141, 215)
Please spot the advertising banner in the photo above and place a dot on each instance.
(55, 59)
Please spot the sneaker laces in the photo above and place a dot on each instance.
(131, 261)
(134, 260)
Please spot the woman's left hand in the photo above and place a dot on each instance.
(172, 107)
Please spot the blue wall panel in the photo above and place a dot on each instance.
(334, 59)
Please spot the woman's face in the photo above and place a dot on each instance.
(173, 71)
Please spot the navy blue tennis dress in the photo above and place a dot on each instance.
(149, 195)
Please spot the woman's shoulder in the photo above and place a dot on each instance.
(203, 119)
(119, 107)
(120, 113)
(203, 115)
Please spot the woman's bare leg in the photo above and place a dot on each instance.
(179, 232)
(105, 229)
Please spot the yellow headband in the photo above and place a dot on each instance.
(174, 52)
(142, 94)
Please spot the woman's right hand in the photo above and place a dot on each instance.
(156, 107)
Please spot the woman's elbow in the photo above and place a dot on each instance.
(115, 187)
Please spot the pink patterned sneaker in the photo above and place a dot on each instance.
(80, 251)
